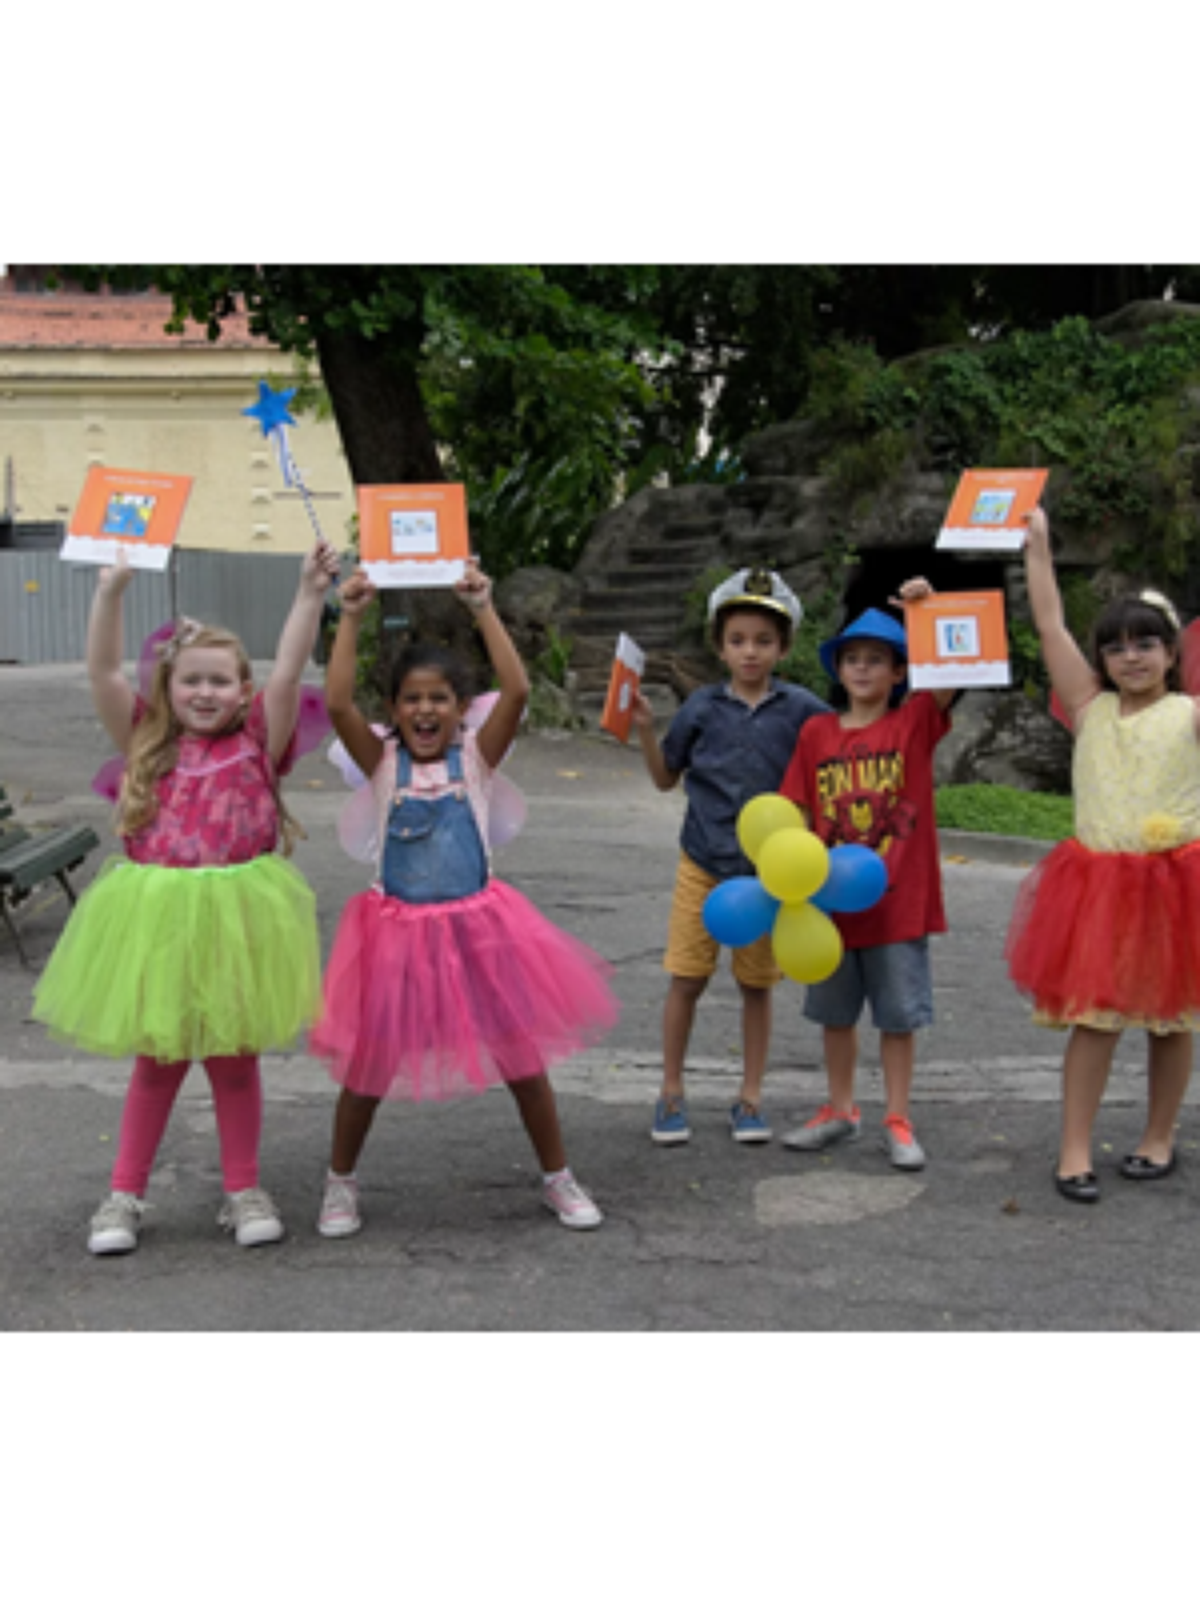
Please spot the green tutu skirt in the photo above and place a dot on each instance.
(183, 963)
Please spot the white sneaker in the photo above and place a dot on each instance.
(571, 1203)
(252, 1217)
(115, 1227)
(339, 1208)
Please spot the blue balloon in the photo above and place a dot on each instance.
(857, 880)
(739, 911)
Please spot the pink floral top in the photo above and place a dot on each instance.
(216, 807)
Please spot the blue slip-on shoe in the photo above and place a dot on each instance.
(670, 1122)
(746, 1124)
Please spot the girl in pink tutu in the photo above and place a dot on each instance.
(1105, 934)
(443, 981)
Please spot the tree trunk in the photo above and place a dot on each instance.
(387, 438)
(379, 410)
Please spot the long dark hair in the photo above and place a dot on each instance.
(1147, 615)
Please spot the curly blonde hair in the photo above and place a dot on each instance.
(154, 743)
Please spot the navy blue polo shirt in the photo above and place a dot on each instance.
(728, 752)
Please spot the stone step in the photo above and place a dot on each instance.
(698, 553)
(600, 610)
(649, 576)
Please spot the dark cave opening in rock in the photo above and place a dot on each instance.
(878, 574)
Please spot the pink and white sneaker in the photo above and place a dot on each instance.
(340, 1215)
(570, 1202)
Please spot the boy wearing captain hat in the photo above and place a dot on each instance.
(729, 741)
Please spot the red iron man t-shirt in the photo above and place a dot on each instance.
(874, 786)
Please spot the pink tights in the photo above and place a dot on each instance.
(237, 1099)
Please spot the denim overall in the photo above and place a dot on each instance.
(432, 852)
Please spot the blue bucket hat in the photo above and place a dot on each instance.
(871, 625)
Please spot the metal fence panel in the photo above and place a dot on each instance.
(44, 601)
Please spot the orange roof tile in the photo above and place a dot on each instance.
(78, 321)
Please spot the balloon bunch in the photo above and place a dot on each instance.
(799, 883)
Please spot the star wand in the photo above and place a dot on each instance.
(271, 413)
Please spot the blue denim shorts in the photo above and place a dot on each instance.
(895, 978)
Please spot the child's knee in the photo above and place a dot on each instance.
(688, 989)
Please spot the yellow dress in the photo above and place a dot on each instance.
(1106, 930)
(1137, 779)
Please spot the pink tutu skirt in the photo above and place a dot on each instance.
(428, 1002)
(1110, 939)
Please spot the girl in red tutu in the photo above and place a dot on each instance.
(1105, 933)
(443, 981)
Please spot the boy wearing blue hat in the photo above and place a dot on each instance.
(729, 741)
(864, 775)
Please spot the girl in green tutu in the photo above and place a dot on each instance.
(199, 943)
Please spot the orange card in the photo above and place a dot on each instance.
(957, 641)
(413, 535)
(628, 665)
(988, 509)
(138, 512)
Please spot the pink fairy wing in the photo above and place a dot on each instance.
(312, 722)
(352, 774)
(507, 811)
(107, 782)
(358, 825)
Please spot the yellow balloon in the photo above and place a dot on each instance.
(807, 944)
(763, 816)
(793, 864)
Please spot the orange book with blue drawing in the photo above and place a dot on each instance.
(989, 508)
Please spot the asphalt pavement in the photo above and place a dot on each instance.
(711, 1236)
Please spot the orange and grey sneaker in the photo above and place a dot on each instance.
(900, 1143)
(826, 1128)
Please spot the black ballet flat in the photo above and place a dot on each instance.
(1082, 1187)
(1142, 1168)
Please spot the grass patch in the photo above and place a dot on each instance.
(995, 808)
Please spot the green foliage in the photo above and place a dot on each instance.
(554, 662)
(1108, 411)
(996, 808)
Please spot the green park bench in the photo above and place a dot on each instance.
(29, 859)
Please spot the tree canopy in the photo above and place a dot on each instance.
(546, 388)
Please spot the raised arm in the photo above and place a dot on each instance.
(1071, 673)
(474, 589)
(363, 744)
(281, 696)
(910, 591)
(112, 692)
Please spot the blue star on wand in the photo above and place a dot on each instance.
(271, 408)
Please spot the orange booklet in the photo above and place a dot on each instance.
(138, 512)
(988, 509)
(628, 665)
(413, 535)
(957, 641)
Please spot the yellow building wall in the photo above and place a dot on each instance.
(175, 411)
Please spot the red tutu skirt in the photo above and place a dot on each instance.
(1110, 939)
(428, 1002)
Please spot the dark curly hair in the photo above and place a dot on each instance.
(416, 657)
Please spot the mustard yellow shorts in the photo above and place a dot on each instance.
(692, 952)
